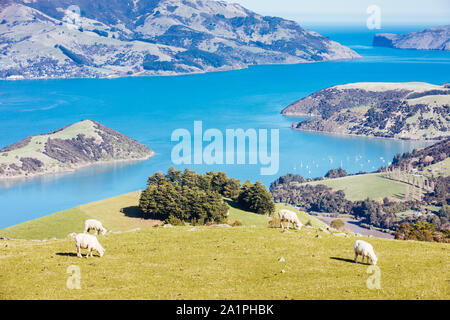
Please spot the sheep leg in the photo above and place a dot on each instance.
(362, 260)
(79, 252)
(356, 258)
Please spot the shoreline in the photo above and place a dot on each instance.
(74, 169)
(140, 75)
(365, 136)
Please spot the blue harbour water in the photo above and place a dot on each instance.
(149, 109)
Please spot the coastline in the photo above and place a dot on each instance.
(143, 75)
(365, 136)
(75, 168)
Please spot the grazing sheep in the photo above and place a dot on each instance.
(90, 242)
(366, 250)
(290, 217)
(93, 224)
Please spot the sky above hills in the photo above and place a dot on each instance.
(354, 12)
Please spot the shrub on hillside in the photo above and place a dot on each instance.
(336, 173)
(421, 231)
(337, 224)
(174, 221)
(236, 223)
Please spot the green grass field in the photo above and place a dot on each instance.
(223, 263)
(210, 263)
(361, 187)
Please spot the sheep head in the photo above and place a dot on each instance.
(373, 258)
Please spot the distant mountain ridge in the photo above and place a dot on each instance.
(67, 149)
(413, 110)
(430, 39)
(111, 38)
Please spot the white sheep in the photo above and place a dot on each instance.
(290, 217)
(90, 242)
(364, 249)
(93, 224)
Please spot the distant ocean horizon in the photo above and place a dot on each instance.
(149, 109)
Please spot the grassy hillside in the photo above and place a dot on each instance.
(60, 224)
(441, 168)
(209, 263)
(119, 213)
(223, 263)
(371, 185)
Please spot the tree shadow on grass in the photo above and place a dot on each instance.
(133, 212)
(399, 196)
(136, 213)
(233, 204)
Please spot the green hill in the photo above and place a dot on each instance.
(361, 187)
(78, 145)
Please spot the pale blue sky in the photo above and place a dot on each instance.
(393, 12)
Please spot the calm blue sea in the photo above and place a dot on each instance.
(149, 109)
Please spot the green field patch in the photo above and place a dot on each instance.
(361, 187)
